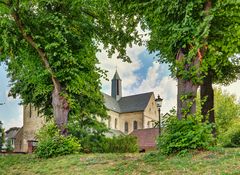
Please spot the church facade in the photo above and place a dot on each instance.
(126, 114)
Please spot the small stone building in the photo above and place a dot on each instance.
(10, 136)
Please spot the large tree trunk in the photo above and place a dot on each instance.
(60, 107)
(207, 100)
(187, 90)
(60, 111)
(186, 98)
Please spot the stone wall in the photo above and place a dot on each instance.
(32, 122)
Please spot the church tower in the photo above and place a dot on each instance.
(116, 86)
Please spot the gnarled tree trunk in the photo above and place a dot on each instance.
(207, 100)
(187, 90)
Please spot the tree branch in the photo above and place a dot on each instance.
(40, 51)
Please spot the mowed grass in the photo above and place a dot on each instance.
(221, 161)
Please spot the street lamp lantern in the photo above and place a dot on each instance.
(159, 105)
(159, 101)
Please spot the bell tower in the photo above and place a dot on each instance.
(116, 86)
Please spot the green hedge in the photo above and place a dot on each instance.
(120, 144)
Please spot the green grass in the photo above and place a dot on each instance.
(220, 161)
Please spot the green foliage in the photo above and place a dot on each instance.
(231, 138)
(120, 144)
(227, 110)
(89, 131)
(52, 144)
(9, 146)
(183, 135)
(68, 33)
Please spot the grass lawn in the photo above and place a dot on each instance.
(221, 161)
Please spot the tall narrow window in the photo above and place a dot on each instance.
(30, 111)
(117, 87)
(115, 123)
(109, 122)
(126, 127)
(135, 125)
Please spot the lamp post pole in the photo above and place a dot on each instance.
(159, 105)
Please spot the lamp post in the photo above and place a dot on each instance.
(159, 105)
(1, 136)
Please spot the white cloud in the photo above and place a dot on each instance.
(16, 121)
(126, 70)
(233, 88)
(164, 86)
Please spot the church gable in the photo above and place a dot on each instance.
(151, 108)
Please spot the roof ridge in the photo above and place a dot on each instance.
(138, 94)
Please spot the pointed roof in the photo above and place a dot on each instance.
(126, 104)
(116, 76)
(134, 103)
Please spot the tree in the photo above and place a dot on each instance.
(227, 110)
(194, 37)
(50, 47)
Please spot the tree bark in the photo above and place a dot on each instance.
(60, 110)
(187, 90)
(186, 106)
(207, 100)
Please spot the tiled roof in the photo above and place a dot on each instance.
(11, 133)
(134, 103)
(111, 103)
(131, 103)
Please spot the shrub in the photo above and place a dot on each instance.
(52, 144)
(120, 144)
(184, 135)
(231, 138)
(9, 147)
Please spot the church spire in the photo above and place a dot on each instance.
(116, 86)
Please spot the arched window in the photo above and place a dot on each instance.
(135, 125)
(115, 123)
(109, 122)
(126, 127)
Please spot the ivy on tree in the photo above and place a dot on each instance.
(197, 38)
(50, 49)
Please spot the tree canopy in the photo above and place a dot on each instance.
(50, 49)
(193, 37)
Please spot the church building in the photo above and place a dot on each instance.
(126, 114)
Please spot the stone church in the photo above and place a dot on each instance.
(126, 114)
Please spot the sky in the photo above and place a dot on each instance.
(144, 74)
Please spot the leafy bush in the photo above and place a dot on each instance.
(9, 147)
(231, 138)
(183, 135)
(89, 131)
(120, 144)
(52, 144)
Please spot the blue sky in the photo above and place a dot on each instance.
(144, 74)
